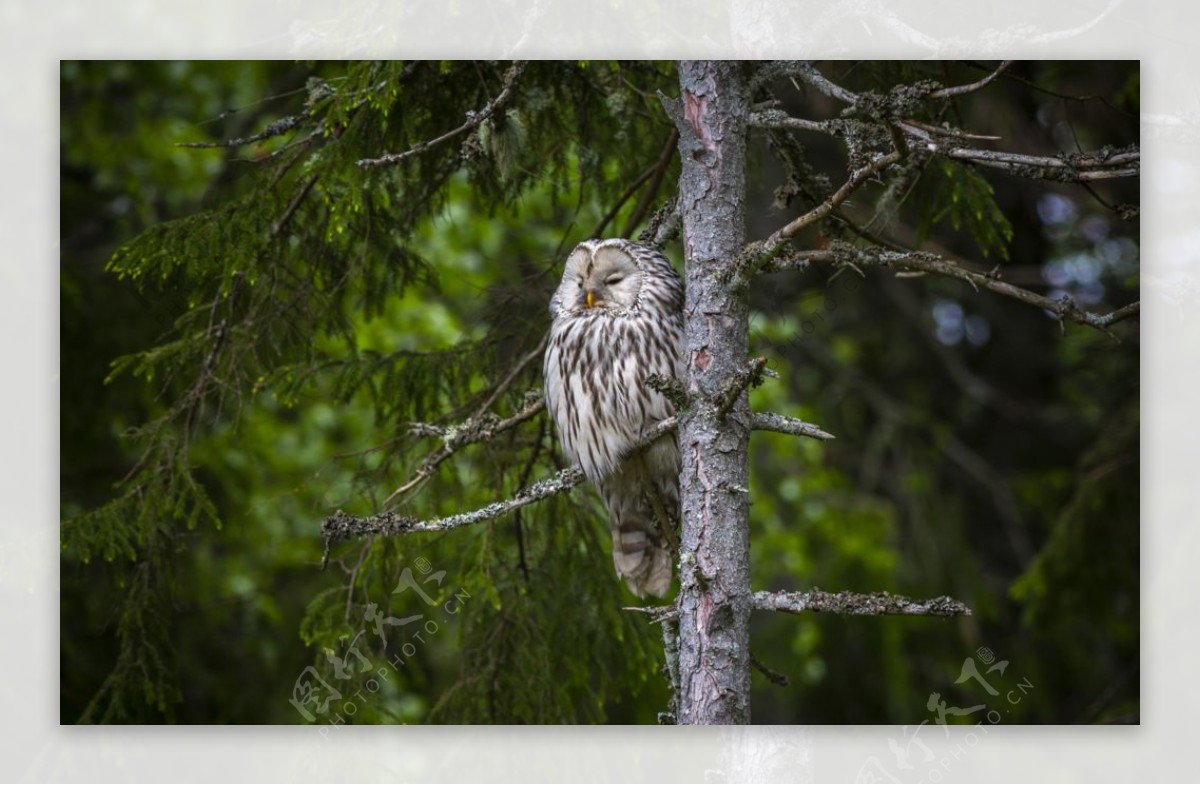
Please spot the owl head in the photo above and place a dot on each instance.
(600, 276)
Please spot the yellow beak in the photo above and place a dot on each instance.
(591, 298)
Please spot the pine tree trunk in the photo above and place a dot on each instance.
(715, 598)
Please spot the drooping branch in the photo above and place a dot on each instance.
(855, 604)
(474, 120)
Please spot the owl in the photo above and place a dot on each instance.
(617, 320)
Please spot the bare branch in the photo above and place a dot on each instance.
(923, 262)
(846, 603)
(474, 120)
(1099, 165)
(950, 92)
(854, 604)
(1065, 169)
(825, 208)
(942, 130)
(776, 118)
(1121, 314)
(342, 526)
(812, 76)
(773, 676)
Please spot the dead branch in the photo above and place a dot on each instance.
(924, 262)
(854, 604)
(343, 526)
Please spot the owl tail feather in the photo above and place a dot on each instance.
(643, 514)
(642, 560)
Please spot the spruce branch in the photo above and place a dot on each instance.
(473, 121)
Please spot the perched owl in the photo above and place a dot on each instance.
(618, 319)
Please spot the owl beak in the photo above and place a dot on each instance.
(590, 299)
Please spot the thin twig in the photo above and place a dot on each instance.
(276, 128)
(512, 375)
(660, 169)
(773, 676)
(597, 233)
(293, 205)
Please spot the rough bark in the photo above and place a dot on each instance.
(714, 599)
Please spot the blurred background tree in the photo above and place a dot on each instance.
(249, 331)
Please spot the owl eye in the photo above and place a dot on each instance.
(615, 278)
